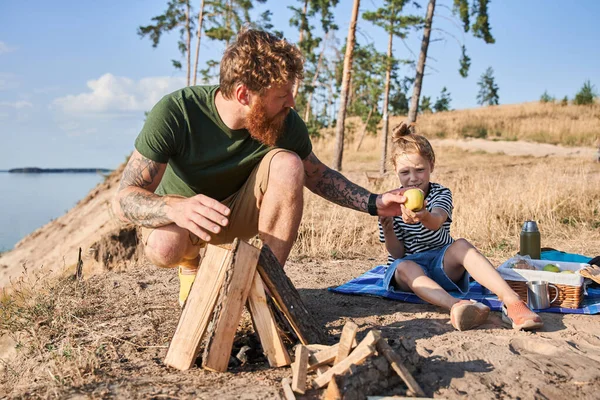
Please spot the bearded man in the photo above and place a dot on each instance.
(213, 163)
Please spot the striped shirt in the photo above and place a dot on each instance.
(416, 237)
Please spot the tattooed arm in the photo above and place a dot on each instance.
(333, 186)
(136, 202)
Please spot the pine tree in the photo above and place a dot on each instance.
(177, 15)
(426, 105)
(488, 90)
(546, 98)
(442, 103)
(586, 94)
(480, 29)
(341, 117)
(390, 18)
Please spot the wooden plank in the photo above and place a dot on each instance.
(333, 391)
(359, 355)
(299, 370)
(265, 325)
(324, 357)
(287, 298)
(287, 389)
(228, 309)
(198, 309)
(399, 398)
(394, 359)
(346, 339)
(322, 369)
(315, 348)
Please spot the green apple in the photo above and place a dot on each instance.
(551, 268)
(414, 199)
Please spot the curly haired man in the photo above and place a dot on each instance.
(213, 163)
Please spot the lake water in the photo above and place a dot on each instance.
(29, 201)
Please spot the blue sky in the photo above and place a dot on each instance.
(75, 78)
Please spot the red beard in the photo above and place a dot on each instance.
(262, 128)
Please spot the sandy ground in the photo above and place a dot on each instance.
(129, 317)
(126, 316)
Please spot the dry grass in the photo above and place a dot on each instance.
(493, 195)
(536, 122)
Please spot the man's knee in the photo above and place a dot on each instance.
(166, 249)
(286, 169)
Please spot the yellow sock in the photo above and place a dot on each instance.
(186, 279)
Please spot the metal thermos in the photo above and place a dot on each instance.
(530, 243)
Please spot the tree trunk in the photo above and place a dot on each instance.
(414, 103)
(189, 40)
(362, 135)
(314, 81)
(386, 101)
(300, 39)
(339, 128)
(198, 36)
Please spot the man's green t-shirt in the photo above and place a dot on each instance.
(204, 156)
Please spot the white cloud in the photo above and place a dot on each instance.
(114, 94)
(4, 48)
(16, 104)
(75, 129)
(8, 81)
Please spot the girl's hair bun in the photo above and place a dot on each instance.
(403, 129)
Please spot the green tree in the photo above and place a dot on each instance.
(586, 94)
(488, 90)
(368, 71)
(390, 18)
(564, 101)
(442, 103)
(426, 105)
(224, 19)
(177, 15)
(480, 29)
(341, 116)
(546, 98)
(309, 43)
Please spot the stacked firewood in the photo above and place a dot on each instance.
(349, 370)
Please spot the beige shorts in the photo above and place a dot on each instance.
(244, 205)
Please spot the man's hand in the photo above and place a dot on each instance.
(390, 203)
(201, 215)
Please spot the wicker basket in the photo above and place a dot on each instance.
(568, 296)
(570, 287)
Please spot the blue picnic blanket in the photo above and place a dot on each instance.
(371, 283)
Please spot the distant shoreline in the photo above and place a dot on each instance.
(35, 170)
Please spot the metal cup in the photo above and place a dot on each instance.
(538, 295)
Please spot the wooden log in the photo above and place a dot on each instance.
(394, 359)
(228, 309)
(299, 370)
(265, 325)
(197, 313)
(288, 299)
(358, 356)
(287, 389)
(346, 340)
